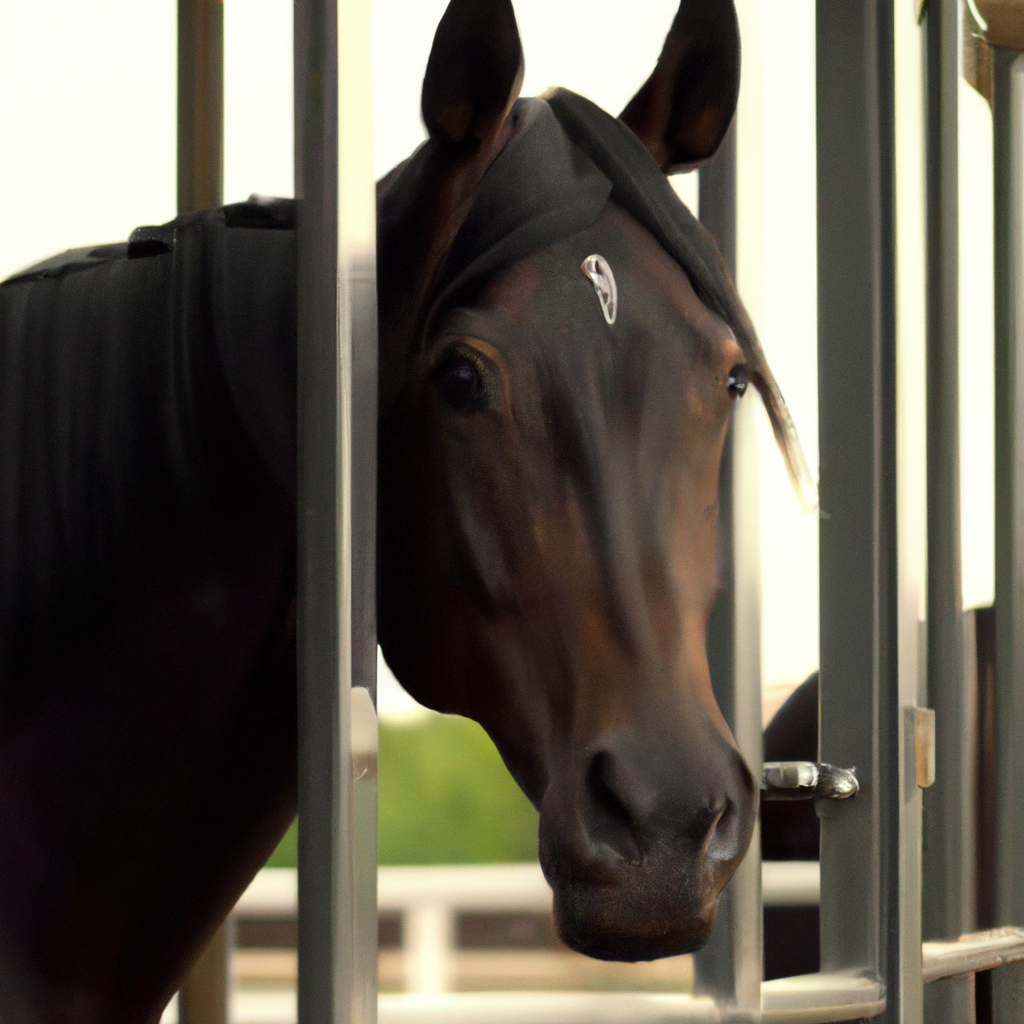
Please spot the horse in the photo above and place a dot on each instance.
(561, 349)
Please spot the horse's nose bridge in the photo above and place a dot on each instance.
(631, 557)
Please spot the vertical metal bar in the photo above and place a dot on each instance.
(1008, 129)
(729, 966)
(205, 993)
(337, 369)
(953, 999)
(200, 104)
(1008, 994)
(868, 883)
(948, 906)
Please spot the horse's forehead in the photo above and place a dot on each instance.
(555, 293)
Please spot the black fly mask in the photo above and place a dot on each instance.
(566, 159)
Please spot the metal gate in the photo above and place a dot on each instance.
(337, 346)
(888, 358)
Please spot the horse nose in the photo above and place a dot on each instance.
(642, 797)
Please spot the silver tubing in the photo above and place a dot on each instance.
(205, 993)
(1008, 128)
(952, 999)
(728, 967)
(1008, 994)
(200, 104)
(978, 951)
(949, 895)
(337, 369)
(869, 882)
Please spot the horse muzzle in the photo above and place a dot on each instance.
(639, 841)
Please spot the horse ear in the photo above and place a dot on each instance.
(682, 112)
(473, 77)
(474, 72)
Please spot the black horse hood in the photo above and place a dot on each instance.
(566, 159)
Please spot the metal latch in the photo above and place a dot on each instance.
(805, 780)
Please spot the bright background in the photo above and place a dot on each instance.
(87, 135)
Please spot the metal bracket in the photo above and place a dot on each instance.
(805, 780)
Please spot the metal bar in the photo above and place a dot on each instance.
(808, 999)
(337, 352)
(550, 1008)
(948, 847)
(1008, 994)
(728, 966)
(823, 997)
(363, 836)
(948, 841)
(1008, 127)
(790, 883)
(1008, 131)
(953, 998)
(868, 885)
(978, 951)
(204, 996)
(200, 104)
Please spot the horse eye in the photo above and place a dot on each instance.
(736, 382)
(460, 383)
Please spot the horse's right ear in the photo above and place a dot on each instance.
(474, 72)
(473, 77)
(682, 112)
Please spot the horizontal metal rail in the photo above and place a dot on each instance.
(810, 999)
(550, 1008)
(978, 951)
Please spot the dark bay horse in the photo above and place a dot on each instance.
(560, 350)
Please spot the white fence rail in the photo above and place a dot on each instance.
(429, 899)
(494, 888)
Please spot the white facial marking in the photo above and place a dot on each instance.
(600, 273)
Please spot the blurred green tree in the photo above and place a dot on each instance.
(445, 798)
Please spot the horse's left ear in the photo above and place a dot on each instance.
(682, 112)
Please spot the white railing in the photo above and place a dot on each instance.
(429, 899)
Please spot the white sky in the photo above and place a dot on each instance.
(87, 115)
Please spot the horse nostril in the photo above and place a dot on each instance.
(610, 820)
(722, 839)
(630, 810)
(601, 790)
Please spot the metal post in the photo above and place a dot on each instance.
(337, 421)
(1008, 129)
(200, 104)
(728, 967)
(205, 993)
(869, 878)
(948, 907)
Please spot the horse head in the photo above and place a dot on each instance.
(561, 351)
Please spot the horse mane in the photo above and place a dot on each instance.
(117, 369)
(96, 421)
